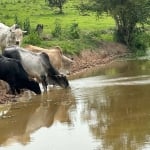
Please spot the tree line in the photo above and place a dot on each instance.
(130, 17)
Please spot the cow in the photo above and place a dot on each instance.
(58, 59)
(38, 66)
(14, 74)
(39, 29)
(10, 35)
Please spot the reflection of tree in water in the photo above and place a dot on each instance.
(119, 117)
(28, 117)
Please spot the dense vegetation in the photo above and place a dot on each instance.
(56, 3)
(73, 30)
(131, 17)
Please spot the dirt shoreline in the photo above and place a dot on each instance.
(96, 58)
(86, 60)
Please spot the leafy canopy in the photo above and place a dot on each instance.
(57, 3)
(130, 16)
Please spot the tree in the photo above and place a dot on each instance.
(57, 3)
(129, 15)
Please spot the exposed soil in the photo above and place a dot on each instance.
(87, 59)
(91, 58)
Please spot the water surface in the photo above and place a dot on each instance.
(105, 109)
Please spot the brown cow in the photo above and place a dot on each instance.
(57, 58)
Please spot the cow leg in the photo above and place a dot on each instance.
(18, 90)
(11, 82)
(44, 83)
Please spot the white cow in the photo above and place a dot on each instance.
(10, 35)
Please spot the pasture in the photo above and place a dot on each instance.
(59, 28)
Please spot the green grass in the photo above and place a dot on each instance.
(38, 12)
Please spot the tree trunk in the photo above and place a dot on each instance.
(60, 7)
(125, 29)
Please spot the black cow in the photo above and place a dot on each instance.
(13, 73)
(38, 66)
(39, 29)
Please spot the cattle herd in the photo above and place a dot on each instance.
(25, 68)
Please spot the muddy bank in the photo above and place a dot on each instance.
(5, 98)
(93, 58)
(86, 60)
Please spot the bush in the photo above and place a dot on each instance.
(74, 32)
(57, 30)
(26, 25)
(141, 41)
(91, 38)
(17, 21)
(32, 38)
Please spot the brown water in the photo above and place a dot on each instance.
(105, 109)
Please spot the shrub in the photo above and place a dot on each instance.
(17, 21)
(32, 38)
(141, 41)
(26, 25)
(74, 31)
(57, 30)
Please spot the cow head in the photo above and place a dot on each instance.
(16, 35)
(60, 80)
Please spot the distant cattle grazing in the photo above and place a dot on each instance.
(10, 35)
(38, 66)
(58, 59)
(14, 74)
(39, 29)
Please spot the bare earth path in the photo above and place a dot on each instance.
(87, 59)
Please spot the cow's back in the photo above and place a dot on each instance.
(13, 72)
(35, 48)
(30, 61)
(56, 56)
(53, 53)
(3, 26)
(12, 67)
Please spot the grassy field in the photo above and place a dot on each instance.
(90, 29)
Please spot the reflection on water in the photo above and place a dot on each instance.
(108, 109)
(24, 118)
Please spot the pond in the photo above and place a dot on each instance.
(105, 109)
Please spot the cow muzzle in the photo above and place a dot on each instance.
(17, 42)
